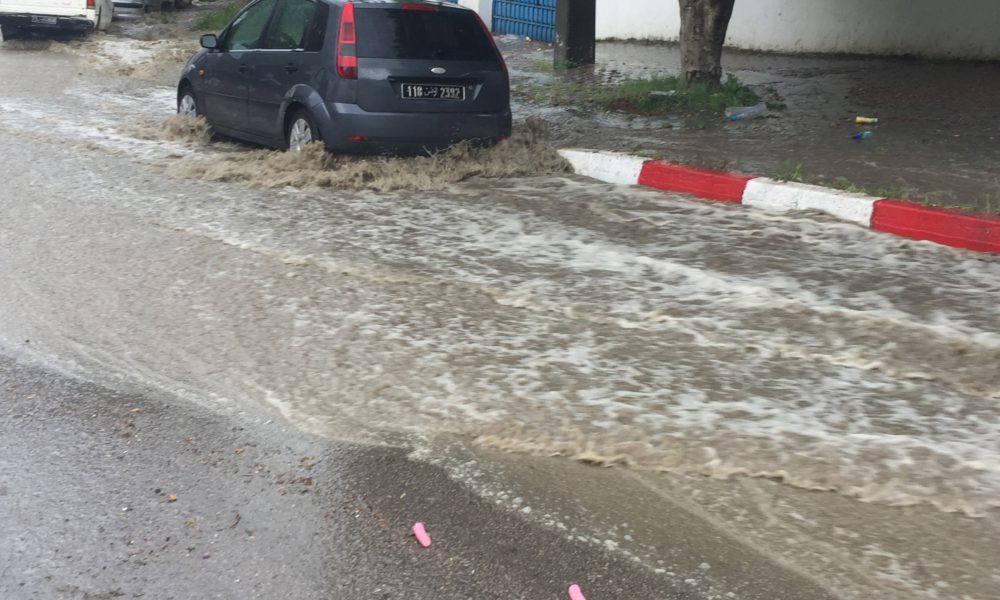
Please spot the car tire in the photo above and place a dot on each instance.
(187, 103)
(301, 131)
(9, 33)
(104, 17)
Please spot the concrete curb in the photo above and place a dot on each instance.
(980, 233)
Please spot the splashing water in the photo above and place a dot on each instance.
(523, 154)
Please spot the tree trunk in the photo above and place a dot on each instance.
(704, 24)
(576, 33)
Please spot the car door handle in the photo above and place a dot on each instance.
(291, 68)
(243, 69)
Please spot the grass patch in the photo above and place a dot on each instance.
(666, 94)
(846, 185)
(790, 171)
(843, 184)
(547, 66)
(656, 96)
(987, 205)
(215, 20)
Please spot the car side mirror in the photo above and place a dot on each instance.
(210, 41)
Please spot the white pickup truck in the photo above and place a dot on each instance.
(17, 16)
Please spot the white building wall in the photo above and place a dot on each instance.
(483, 7)
(930, 28)
(639, 19)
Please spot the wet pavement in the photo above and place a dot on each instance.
(131, 493)
(938, 139)
(796, 407)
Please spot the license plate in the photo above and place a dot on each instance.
(418, 91)
(43, 20)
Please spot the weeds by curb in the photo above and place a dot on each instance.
(646, 97)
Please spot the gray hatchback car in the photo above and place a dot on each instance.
(362, 77)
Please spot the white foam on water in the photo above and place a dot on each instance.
(100, 130)
(826, 371)
(132, 58)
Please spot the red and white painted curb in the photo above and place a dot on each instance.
(980, 233)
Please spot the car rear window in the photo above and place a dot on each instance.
(421, 34)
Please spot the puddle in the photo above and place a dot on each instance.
(939, 136)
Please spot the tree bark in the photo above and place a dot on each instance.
(576, 33)
(704, 24)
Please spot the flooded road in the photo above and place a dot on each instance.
(825, 395)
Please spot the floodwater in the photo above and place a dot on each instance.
(938, 139)
(825, 394)
(523, 154)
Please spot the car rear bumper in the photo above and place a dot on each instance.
(132, 9)
(353, 130)
(30, 21)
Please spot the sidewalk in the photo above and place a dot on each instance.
(938, 140)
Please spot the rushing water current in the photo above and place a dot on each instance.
(527, 310)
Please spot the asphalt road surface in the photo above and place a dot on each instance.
(133, 494)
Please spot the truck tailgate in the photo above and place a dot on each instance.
(59, 8)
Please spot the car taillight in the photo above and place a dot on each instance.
(347, 54)
(486, 30)
(91, 4)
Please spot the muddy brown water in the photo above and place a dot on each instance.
(525, 153)
(938, 138)
(807, 391)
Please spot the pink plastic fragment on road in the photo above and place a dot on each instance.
(575, 593)
(421, 534)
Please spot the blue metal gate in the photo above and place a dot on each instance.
(531, 18)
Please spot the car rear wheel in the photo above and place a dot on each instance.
(301, 131)
(105, 12)
(187, 106)
(8, 33)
